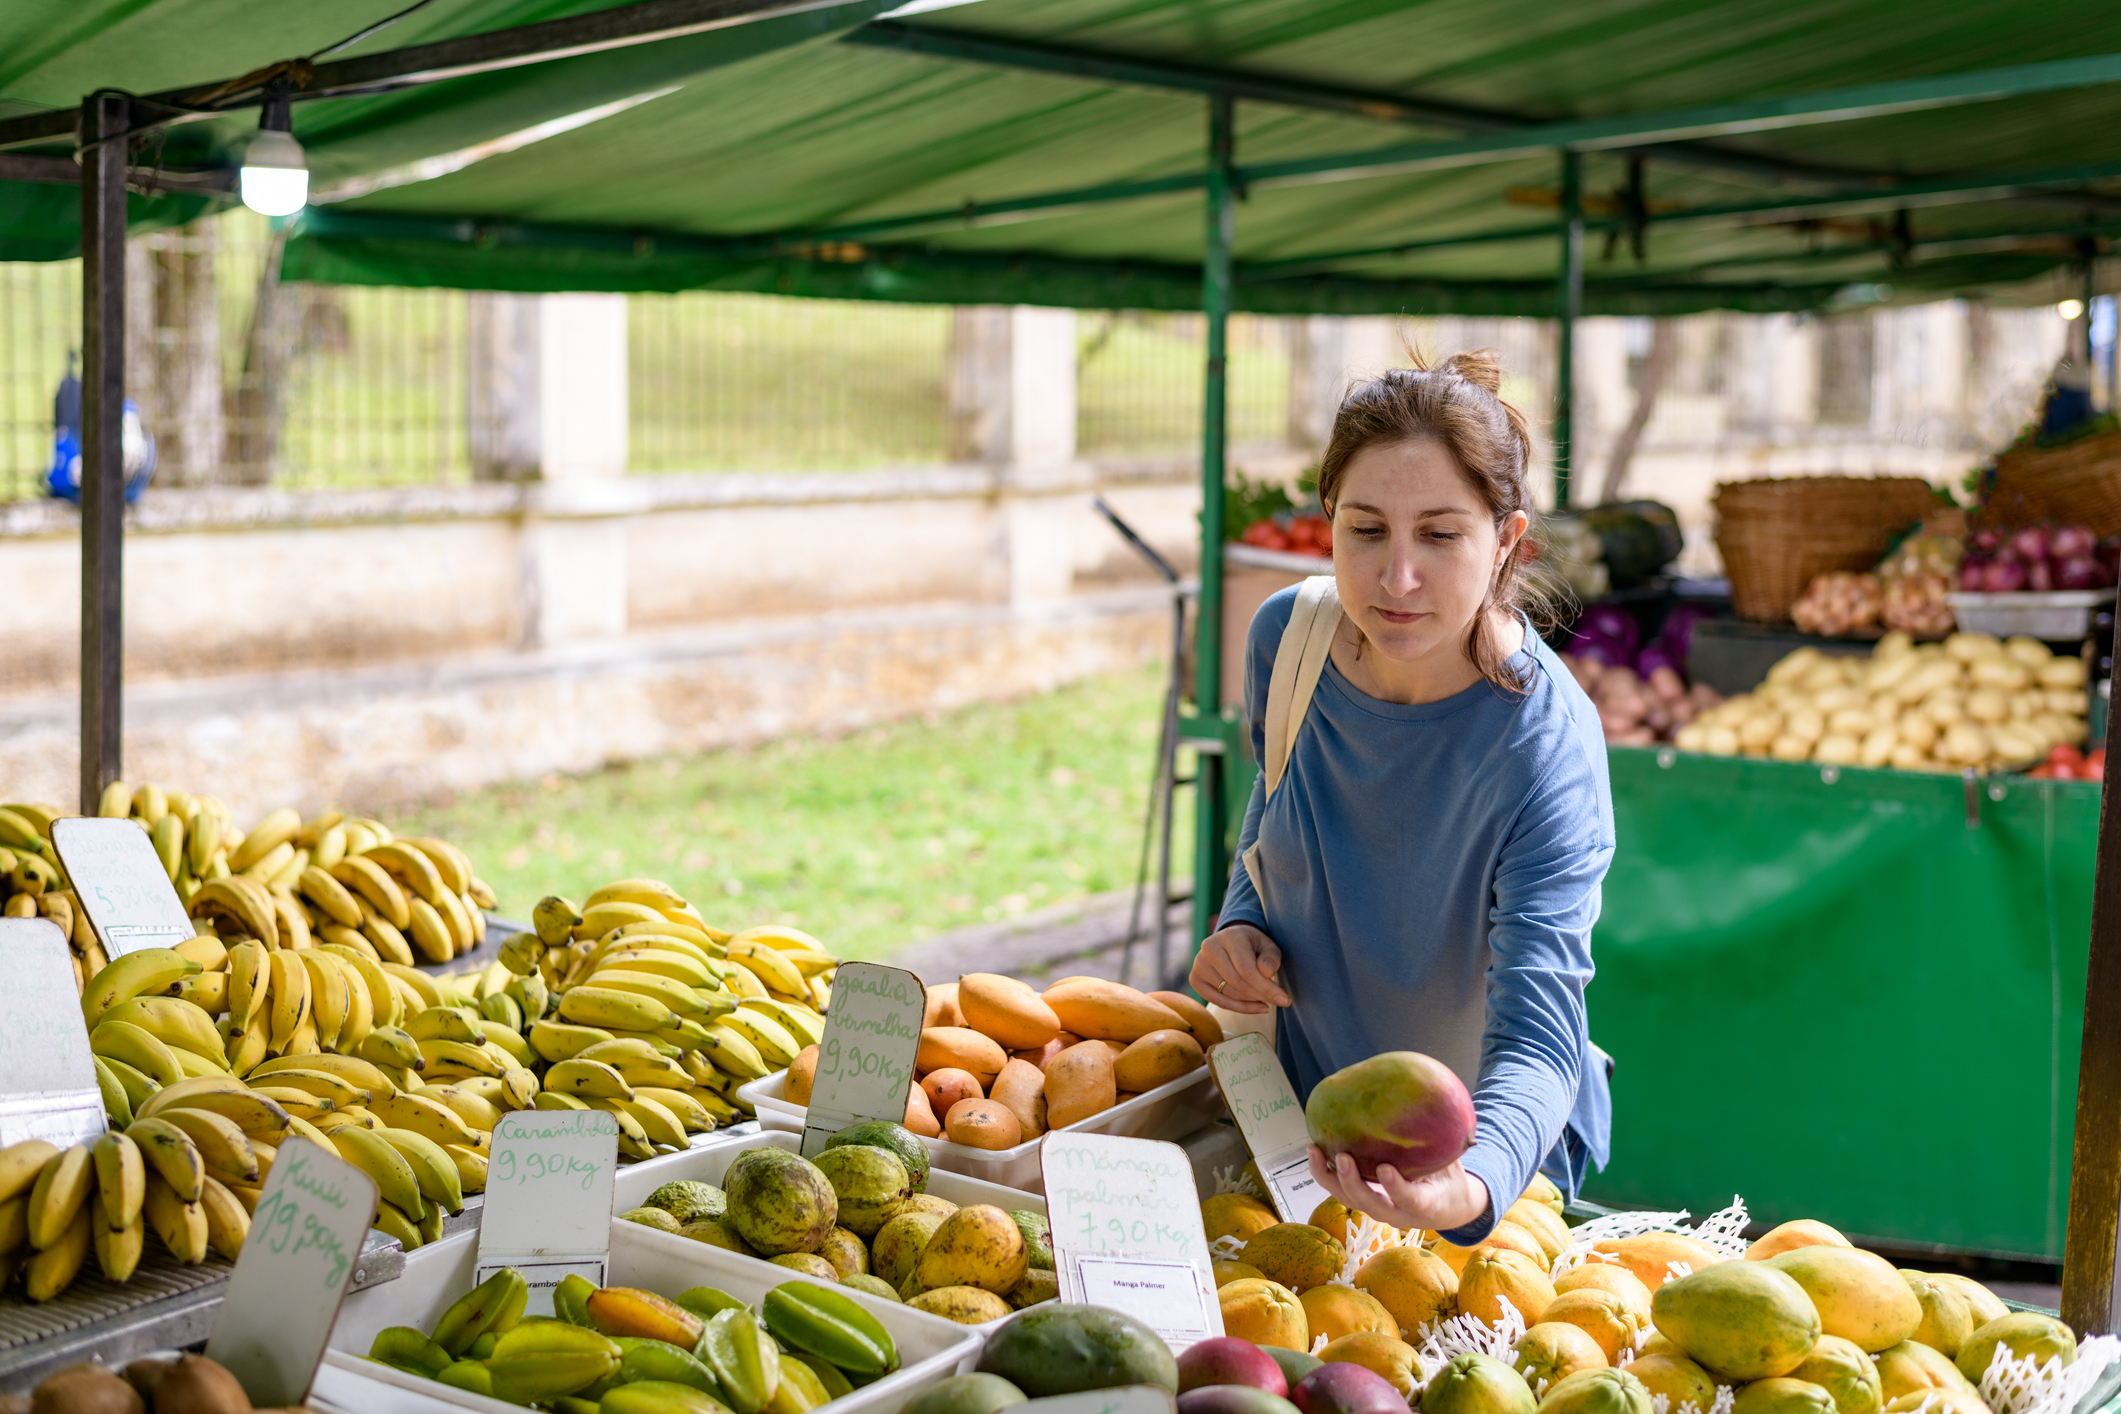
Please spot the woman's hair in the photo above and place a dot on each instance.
(1458, 404)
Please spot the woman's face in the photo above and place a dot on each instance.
(1415, 549)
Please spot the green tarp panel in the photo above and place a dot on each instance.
(1836, 999)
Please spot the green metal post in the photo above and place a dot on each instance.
(1211, 861)
(1569, 306)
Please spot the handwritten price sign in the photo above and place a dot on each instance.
(548, 1198)
(1127, 1232)
(1264, 1105)
(865, 1061)
(47, 1077)
(293, 1273)
(121, 883)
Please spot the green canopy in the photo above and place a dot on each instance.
(796, 171)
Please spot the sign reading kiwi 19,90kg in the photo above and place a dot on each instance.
(865, 1061)
(1127, 1233)
(122, 884)
(1264, 1105)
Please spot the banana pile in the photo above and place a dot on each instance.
(805, 1346)
(656, 1015)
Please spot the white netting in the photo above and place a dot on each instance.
(1226, 1248)
(1722, 1404)
(2026, 1386)
(1442, 1342)
(1368, 1238)
(1719, 1230)
(1234, 1179)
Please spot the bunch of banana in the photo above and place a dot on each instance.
(33, 884)
(704, 1351)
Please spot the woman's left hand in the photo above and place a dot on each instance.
(1448, 1198)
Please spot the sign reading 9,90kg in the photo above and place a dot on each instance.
(865, 1061)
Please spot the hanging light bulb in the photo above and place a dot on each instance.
(275, 174)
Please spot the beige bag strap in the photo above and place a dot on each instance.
(1305, 645)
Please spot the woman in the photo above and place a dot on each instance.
(1428, 863)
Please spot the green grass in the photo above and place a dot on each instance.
(870, 841)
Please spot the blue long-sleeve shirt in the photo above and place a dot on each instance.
(1431, 874)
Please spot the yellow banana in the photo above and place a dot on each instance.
(588, 1079)
(249, 1044)
(775, 1046)
(429, 934)
(19, 1166)
(249, 981)
(148, 972)
(661, 1126)
(558, 1040)
(290, 996)
(443, 1056)
(258, 1116)
(138, 1087)
(202, 838)
(471, 1166)
(169, 844)
(603, 917)
(679, 998)
(243, 904)
(118, 1249)
(219, 1141)
(360, 1011)
(733, 1053)
(322, 1083)
(119, 1041)
(553, 919)
(554, 1100)
(799, 1021)
(426, 1117)
(209, 953)
(680, 967)
(689, 1112)
(383, 1005)
(412, 869)
(476, 1111)
(172, 1021)
(365, 877)
(315, 828)
(227, 1220)
(330, 847)
(63, 1186)
(328, 894)
(610, 1008)
(669, 929)
(267, 835)
(777, 972)
(374, 1156)
(457, 919)
(445, 1023)
(295, 1104)
(432, 1169)
(329, 998)
(53, 1269)
(294, 923)
(389, 944)
(420, 982)
(355, 1071)
(392, 1223)
(447, 861)
(208, 991)
(268, 866)
(190, 1092)
(391, 1046)
(180, 1224)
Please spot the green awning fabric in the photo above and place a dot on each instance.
(764, 166)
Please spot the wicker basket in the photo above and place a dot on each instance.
(1778, 534)
(2077, 484)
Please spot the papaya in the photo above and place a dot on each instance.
(1336, 1311)
(1542, 1190)
(1543, 1223)
(1677, 1378)
(1079, 1084)
(1738, 1320)
(1477, 1384)
(1398, 1108)
(1798, 1232)
(1505, 1236)
(1199, 1020)
(1604, 1317)
(1416, 1286)
(1156, 1059)
(1107, 1011)
(1946, 1320)
(1380, 1354)
(1554, 1350)
(1008, 1011)
(1332, 1217)
(960, 1048)
(1940, 1401)
(1650, 1255)
(1608, 1276)
(1597, 1392)
(802, 1073)
(1296, 1255)
(1264, 1312)
(1783, 1395)
(1227, 1272)
(1237, 1215)
(967, 1305)
(1984, 1304)
(1913, 1368)
(1859, 1296)
(1495, 1276)
(1656, 1342)
(2025, 1333)
(1843, 1370)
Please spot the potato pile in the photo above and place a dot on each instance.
(1639, 711)
(1001, 1063)
(1969, 701)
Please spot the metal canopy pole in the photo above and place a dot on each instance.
(1211, 864)
(103, 115)
(1569, 305)
(2091, 1273)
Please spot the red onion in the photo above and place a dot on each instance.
(1610, 621)
(2003, 577)
(2030, 543)
(1984, 539)
(2070, 541)
(1973, 573)
(2080, 572)
(2040, 576)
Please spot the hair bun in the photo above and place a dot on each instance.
(1477, 366)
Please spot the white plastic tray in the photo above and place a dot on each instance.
(1170, 1111)
(2052, 616)
(930, 1348)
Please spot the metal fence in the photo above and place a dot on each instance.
(1138, 382)
(40, 322)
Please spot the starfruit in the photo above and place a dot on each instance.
(410, 1350)
(541, 1360)
(800, 1390)
(628, 1310)
(660, 1361)
(570, 1299)
(574, 1404)
(482, 1348)
(835, 1380)
(709, 1301)
(744, 1359)
(659, 1397)
(831, 1325)
(491, 1307)
(468, 1374)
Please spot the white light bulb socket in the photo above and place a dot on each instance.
(275, 174)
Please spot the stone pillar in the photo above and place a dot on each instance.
(1317, 379)
(1603, 400)
(1012, 385)
(546, 389)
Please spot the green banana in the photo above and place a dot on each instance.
(660, 1360)
(542, 1360)
(659, 1397)
(829, 1324)
(744, 1359)
(116, 1103)
(391, 1046)
(405, 1348)
(494, 1305)
(570, 1299)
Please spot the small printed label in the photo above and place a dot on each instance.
(1125, 1215)
(548, 1198)
(293, 1272)
(122, 885)
(1264, 1105)
(48, 1085)
(865, 1061)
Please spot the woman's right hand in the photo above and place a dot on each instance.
(1236, 969)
